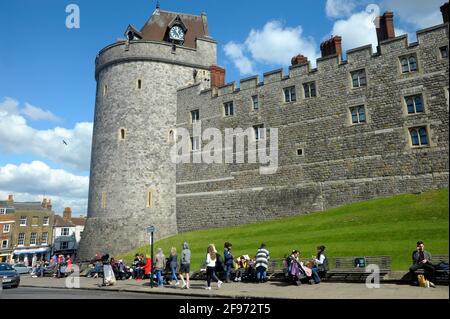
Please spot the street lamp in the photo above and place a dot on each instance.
(151, 230)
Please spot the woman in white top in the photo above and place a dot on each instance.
(211, 258)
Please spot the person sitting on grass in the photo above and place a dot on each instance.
(422, 260)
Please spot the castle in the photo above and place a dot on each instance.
(372, 125)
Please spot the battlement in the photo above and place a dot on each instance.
(356, 57)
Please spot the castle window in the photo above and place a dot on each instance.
(105, 90)
(149, 199)
(139, 84)
(310, 89)
(419, 136)
(195, 116)
(414, 104)
(409, 64)
(359, 78)
(259, 132)
(289, 94)
(122, 134)
(195, 143)
(103, 204)
(358, 114)
(444, 52)
(255, 102)
(21, 239)
(228, 109)
(300, 152)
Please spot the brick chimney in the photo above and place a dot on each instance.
(445, 12)
(331, 47)
(10, 199)
(217, 76)
(67, 214)
(385, 29)
(299, 59)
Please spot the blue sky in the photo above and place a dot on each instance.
(47, 85)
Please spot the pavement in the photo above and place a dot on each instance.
(268, 290)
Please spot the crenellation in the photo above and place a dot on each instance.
(273, 76)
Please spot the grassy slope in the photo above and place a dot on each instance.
(385, 226)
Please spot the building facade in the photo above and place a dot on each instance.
(7, 223)
(33, 231)
(67, 233)
(372, 124)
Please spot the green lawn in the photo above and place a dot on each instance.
(385, 226)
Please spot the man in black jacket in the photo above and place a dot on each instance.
(422, 260)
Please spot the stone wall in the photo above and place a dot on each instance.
(341, 162)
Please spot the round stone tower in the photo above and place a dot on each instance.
(132, 179)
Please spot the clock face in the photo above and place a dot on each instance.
(176, 33)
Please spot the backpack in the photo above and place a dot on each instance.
(219, 263)
(443, 266)
(360, 262)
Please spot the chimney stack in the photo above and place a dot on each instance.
(67, 214)
(331, 47)
(10, 199)
(217, 76)
(445, 12)
(299, 59)
(385, 29)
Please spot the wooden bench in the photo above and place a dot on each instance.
(441, 275)
(276, 269)
(346, 269)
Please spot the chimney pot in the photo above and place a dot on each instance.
(67, 214)
(10, 198)
(217, 76)
(331, 47)
(299, 59)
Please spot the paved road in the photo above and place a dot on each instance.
(51, 293)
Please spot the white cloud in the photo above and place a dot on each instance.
(29, 182)
(16, 136)
(340, 8)
(274, 44)
(236, 53)
(419, 13)
(38, 114)
(356, 31)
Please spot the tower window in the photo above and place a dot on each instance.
(419, 136)
(171, 136)
(255, 102)
(409, 64)
(414, 104)
(149, 199)
(228, 109)
(195, 143)
(289, 94)
(300, 152)
(103, 204)
(259, 132)
(444, 52)
(310, 89)
(105, 90)
(195, 116)
(139, 84)
(358, 114)
(122, 134)
(359, 78)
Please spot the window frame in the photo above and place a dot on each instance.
(23, 218)
(419, 136)
(307, 87)
(359, 74)
(292, 94)
(445, 47)
(33, 237)
(197, 113)
(227, 106)
(2, 211)
(358, 114)
(198, 144)
(64, 233)
(255, 102)
(413, 98)
(44, 242)
(61, 245)
(8, 226)
(46, 221)
(19, 239)
(4, 246)
(257, 135)
(408, 60)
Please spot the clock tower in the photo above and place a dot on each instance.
(132, 179)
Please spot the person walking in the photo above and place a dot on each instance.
(185, 265)
(211, 258)
(160, 264)
(173, 263)
(262, 263)
(228, 259)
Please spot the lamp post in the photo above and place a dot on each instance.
(151, 230)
